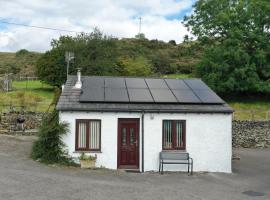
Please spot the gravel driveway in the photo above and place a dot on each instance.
(21, 178)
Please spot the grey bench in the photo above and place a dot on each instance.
(175, 158)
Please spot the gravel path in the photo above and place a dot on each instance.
(21, 178)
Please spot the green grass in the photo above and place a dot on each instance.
(30, 85)
(248, 108)
(178, 76)
(35, 95)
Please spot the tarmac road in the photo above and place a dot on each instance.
(22, 178)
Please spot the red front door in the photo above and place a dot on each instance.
(128, 143)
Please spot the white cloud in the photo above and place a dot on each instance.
(114, 17)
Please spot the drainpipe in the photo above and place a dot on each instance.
(142, 141)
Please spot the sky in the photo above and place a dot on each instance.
(161, 19)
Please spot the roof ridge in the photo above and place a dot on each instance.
(139, 77)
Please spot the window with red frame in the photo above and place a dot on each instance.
(174, 135)
(88, 135)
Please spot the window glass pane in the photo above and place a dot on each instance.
(94, 134)
(179, 134)
(132, 136)
(167, 134)
(82, 135)
(124, 136)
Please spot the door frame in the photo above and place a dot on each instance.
(126, 120)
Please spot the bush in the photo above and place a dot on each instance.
(49, 147)
(22, 52)
(138, 66)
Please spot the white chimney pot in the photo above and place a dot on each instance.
(78, 84)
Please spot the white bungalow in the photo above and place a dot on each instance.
(127, 122)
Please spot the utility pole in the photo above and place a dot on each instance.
(69, 56)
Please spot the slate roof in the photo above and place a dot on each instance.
(73, 99)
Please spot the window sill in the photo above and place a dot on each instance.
(177, 150)
(87, 151)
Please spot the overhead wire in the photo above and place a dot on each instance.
(39, 27)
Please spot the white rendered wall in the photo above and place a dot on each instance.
(208, 139)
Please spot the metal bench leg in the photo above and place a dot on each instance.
(162, 167)
(191, 166)
(159, 167)
(188, 165)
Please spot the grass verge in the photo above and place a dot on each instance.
(34, 95)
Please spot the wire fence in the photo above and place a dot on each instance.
(25, 78)
(252, 115)
(7, 108)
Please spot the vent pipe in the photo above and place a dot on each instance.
(79, 82)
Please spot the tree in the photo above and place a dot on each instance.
(162, 63)
(49, 147)
(140, 36)
(95, 54)
(138, 66)
(51, 67)
(172, 42)
(22, 52)
(237, 31)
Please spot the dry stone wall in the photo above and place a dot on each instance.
(247, 134)
(251, 134)
(8, 121)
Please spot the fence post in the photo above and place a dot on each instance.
(252, 115)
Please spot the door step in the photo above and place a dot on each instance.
(130, 170)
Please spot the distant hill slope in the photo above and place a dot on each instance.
(22, 62)
(166, 57)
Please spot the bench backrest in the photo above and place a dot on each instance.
(173, 156)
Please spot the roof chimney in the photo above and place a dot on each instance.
(79, 82)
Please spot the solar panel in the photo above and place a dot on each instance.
(156, 83)
(208, 96)
(186, 96)
(92, 94)
(176, 84)
(150, 90)
(115, 82)
(116, 95)
(196, 84)
(140, 95)
(163, 95)
(93, 82)
(135, 83)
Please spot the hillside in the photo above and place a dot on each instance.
(166, 58)
(22, 62)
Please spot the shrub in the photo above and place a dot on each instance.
(49, 148)
(85, 157)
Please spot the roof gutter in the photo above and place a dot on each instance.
(150, 111)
